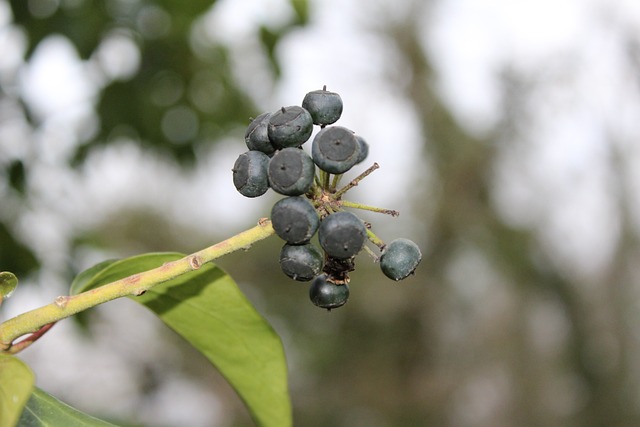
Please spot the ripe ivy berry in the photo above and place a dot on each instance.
(400, 259)
(335, 149)
(301, 262)
(291, 172)
(326, 294)
(342, 234)
(294, 219)
(256, 136)
(364, 149)
(289, 127)
(250, 173)
(325, 107)
(275, 160)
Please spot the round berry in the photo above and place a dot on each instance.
(291, 172)
(364, 149)
(342, 234)
(294, 219)
(400, 259)
(256, 136)
(289, 127)
(301, 262)
(335, 149)
(325, 107)
(326, 294)
(250, 173)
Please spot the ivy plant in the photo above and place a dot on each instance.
(201, 302)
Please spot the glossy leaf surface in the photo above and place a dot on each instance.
(8, 283)
(44, 410)
(207, 308)
(16, 383)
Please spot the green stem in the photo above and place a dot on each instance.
(326, 178)
(375, 257)
(65, 306)
(335, 181)
(354, 205)
(375, 239)
(355, 181)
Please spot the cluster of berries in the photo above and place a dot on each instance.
(314, 202)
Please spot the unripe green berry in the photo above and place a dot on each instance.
(400, 259)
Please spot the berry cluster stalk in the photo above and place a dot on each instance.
(39, 320)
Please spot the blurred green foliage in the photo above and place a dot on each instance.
(428, 351)
(182, 95)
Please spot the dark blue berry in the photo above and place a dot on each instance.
(364, 149)
(325, 107)
(289, 127)
(250, 173)
(291, 172)
(326, 294)
(301, 262)
(400, 259)
(342, 234)
(335, 149)
(256, 136)
(294, 219)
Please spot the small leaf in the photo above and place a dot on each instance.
(16, 383)
(8, 283)
(45, 410)
(207, 308)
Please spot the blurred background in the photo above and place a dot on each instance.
(508, 137)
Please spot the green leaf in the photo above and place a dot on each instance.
(207, 308)
(81, 280)
(8, 283)
(16, 383)
(45, 410)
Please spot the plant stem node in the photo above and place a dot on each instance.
(61, 301)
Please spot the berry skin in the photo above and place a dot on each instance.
(342, 234)
(294, 220)
(301, 262)
(326, 294)
(289, 127)
(400, 259)
(325, 107)
(364, 149)
(291, 172)
(250, 173)
(256, 136)
(335, 149)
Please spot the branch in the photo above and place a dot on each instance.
(65, 306)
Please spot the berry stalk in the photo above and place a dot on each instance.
(64, 306)
(375, 239)
(354, 182)
(360, 206)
